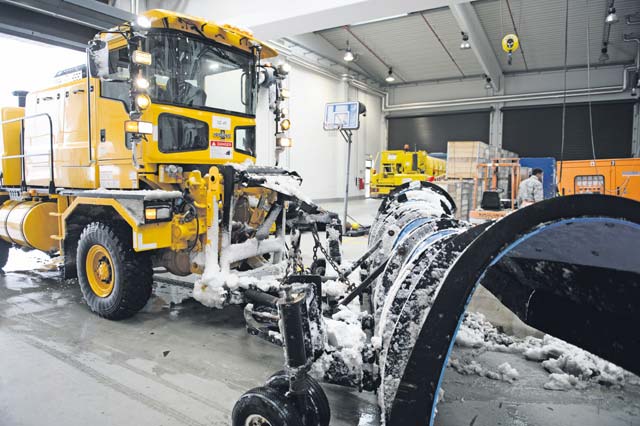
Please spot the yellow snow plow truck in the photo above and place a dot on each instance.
(144, 158)
(401, 166)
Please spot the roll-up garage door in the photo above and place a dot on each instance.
(537, 131)
(432, 132)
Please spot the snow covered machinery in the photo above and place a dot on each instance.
(143, 158)
(567, 266)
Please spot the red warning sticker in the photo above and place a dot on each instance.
(221, 150)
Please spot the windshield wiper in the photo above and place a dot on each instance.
(224, 55)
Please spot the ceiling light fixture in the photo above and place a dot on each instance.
(390, 78)
(348, 54)
(465, 45)
(612, 17)
(487, 84)
(604, 55)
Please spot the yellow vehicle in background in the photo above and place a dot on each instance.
(401, 166)
(144, 157)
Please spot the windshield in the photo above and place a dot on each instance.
(191, 72)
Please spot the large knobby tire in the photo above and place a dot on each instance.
(115, 281)
(265, 406)
(4, 253)
(318, 408)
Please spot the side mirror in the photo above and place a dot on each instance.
(98, 54)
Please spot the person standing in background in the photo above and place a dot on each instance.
(530, 190)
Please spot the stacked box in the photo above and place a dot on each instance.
(495, 152)
(462, 193)
(463, 158)
(504, 153)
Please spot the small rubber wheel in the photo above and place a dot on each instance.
(116, 282)
(265, 406)
(318, 409)
(318, 267)
(4, 253)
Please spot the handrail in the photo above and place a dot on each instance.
(22, 156)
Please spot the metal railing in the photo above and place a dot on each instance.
(22, 156)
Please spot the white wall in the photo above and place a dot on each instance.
(317, 155)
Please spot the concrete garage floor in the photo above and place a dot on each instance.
(185, 364)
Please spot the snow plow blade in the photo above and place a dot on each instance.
(280, 180)
(567, 266)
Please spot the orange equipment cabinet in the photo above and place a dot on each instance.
(618, 176)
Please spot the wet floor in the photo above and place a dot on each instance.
(180, 363)
(479, 401)
(175, 363)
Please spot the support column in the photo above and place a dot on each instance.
(495, 125)
(635, 137)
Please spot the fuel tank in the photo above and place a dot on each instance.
(29, 224)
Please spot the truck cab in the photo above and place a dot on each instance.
(144, 157)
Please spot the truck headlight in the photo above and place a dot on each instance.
(143, 22)
(157, 213)
(284, 142)
(283, 68)
(141, 83)
(141, 57)
(143, 101)
(140, 127)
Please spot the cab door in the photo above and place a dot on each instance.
(74, 168)
(115, 163)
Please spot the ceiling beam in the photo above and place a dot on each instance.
(469, 22)
(341, 15)
(88, 13)
(319, 45)
(64, 23)
(388, 66)
(31, 25)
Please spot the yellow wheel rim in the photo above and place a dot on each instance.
(99, 267)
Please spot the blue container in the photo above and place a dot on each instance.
(548, 166)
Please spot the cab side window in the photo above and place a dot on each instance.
(245, 138)
(115, 85)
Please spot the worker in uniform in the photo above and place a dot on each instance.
(530, 190)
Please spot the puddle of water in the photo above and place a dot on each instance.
(172, 294)
(167, 296)
(17, 282)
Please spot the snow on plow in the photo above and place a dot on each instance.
(566, 266)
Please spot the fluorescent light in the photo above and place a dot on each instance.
(386, 18)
